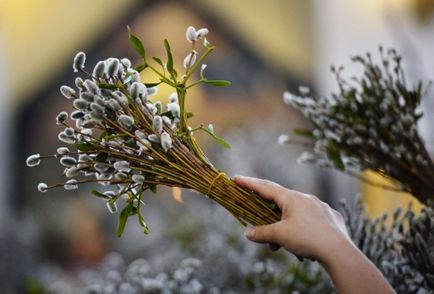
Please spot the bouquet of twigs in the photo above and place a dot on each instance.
(119, 136)
(369, 124)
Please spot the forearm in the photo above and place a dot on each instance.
(352, 272)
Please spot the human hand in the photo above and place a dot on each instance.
(308, 227)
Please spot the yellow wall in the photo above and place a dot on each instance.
(380, 200)
(43, 33)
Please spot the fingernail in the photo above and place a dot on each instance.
(250, 233)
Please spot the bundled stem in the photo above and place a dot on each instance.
(370, 123)
(125, 140)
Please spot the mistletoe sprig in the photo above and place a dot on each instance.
(121, 137)
(369, 124)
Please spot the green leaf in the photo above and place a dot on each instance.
(220, 140)
(34, 287)
(101, 157)
(151, 85)
(304, 133)
(141, 67)
(335, 157)
(136, 44)
(123, 217)
(107, 86)
(218, 83)
(190, 114)
(98, 194)
(84, 147)
(104, 135)
(158, 106)
(143, 223)
(158, 60)
(169, 64)
(168, 114)
(153, 188)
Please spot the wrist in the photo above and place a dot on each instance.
(342, 248)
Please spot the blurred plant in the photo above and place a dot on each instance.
(418, 245)
(369, 124)
(122, 138)
(223, 263)
(275, 163)
(399, 244)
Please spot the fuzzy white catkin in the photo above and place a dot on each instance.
(113, 67)
(288, 97)
(80, 104)
(112, 206)
(67, 91)
(99, 100)
(283, 139)
(101, 167)
(120, 176)
(126, 121)
(72, 172)
(138, 179)
(69, 132)
(99, 70)
(62, 150)
(138, 90)
(79, 61)
(109, 194)
(211, 128)
(68, 161)
(33, 160)
(202, 69)
(126, 63)
(42, 187)
(91, 86)
(152, 91)
(206, 43)
(167, 121)
(154, 138)
(191, 34)
(157, 124)
(61, 117)
(174, 109)
(173, 98)
(71, 185)
(123, 166)
(87, 96)
(166, 141)
(113, 104)
(202, 33)
(135, 76)
(79, 83)
(65, 139)
(151, 107)
(139, 134)
(190, 59)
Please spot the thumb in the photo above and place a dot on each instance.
(262, 234)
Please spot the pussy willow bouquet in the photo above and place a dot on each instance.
(369, 124)
(119, 136)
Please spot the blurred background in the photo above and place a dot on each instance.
(263, 47)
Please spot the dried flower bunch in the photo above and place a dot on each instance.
(119, 136)
(370, 123)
